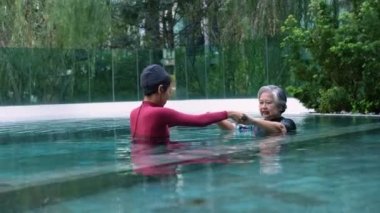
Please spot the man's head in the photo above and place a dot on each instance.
(154, 77)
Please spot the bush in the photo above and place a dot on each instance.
(334, 55)
(334, 100)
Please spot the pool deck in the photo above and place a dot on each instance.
(123, 109)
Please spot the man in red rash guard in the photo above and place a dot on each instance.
(152, 120)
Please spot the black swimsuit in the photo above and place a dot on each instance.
(288, 123)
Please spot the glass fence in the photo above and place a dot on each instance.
(52, 76)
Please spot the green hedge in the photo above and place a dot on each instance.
(336, 59)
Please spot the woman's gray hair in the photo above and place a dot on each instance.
(278, 94)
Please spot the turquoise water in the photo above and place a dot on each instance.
(330, 165)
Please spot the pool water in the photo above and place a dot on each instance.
(330, 165)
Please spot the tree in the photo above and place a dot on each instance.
(336, 60)
(44, 24)
(223, 39)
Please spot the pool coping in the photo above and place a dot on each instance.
(123, 109)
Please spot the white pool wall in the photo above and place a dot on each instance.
(123, 109)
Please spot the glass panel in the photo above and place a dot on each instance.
(126, 75)
(53, 76)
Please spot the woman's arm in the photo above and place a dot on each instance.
(226, 125)
(270, 127)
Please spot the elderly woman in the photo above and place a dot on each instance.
(272, 103)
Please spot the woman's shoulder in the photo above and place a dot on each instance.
(289, 124)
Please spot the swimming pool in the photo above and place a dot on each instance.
(89, 165)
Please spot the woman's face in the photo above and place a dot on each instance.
(268, 107)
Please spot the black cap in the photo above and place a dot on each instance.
(152, 76)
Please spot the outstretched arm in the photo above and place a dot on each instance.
(226, 125)
(271, 127)
(175, 118)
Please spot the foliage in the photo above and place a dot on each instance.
(333, 55)
(78, 23)
(334, 99)
(94, 50)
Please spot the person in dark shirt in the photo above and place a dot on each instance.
(272, 103)
(151, 120)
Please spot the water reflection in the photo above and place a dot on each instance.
(266, 148)
(165, 159)
(270, 155)
(168, 159)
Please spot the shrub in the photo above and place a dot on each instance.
(334, 100)
(333, 55)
